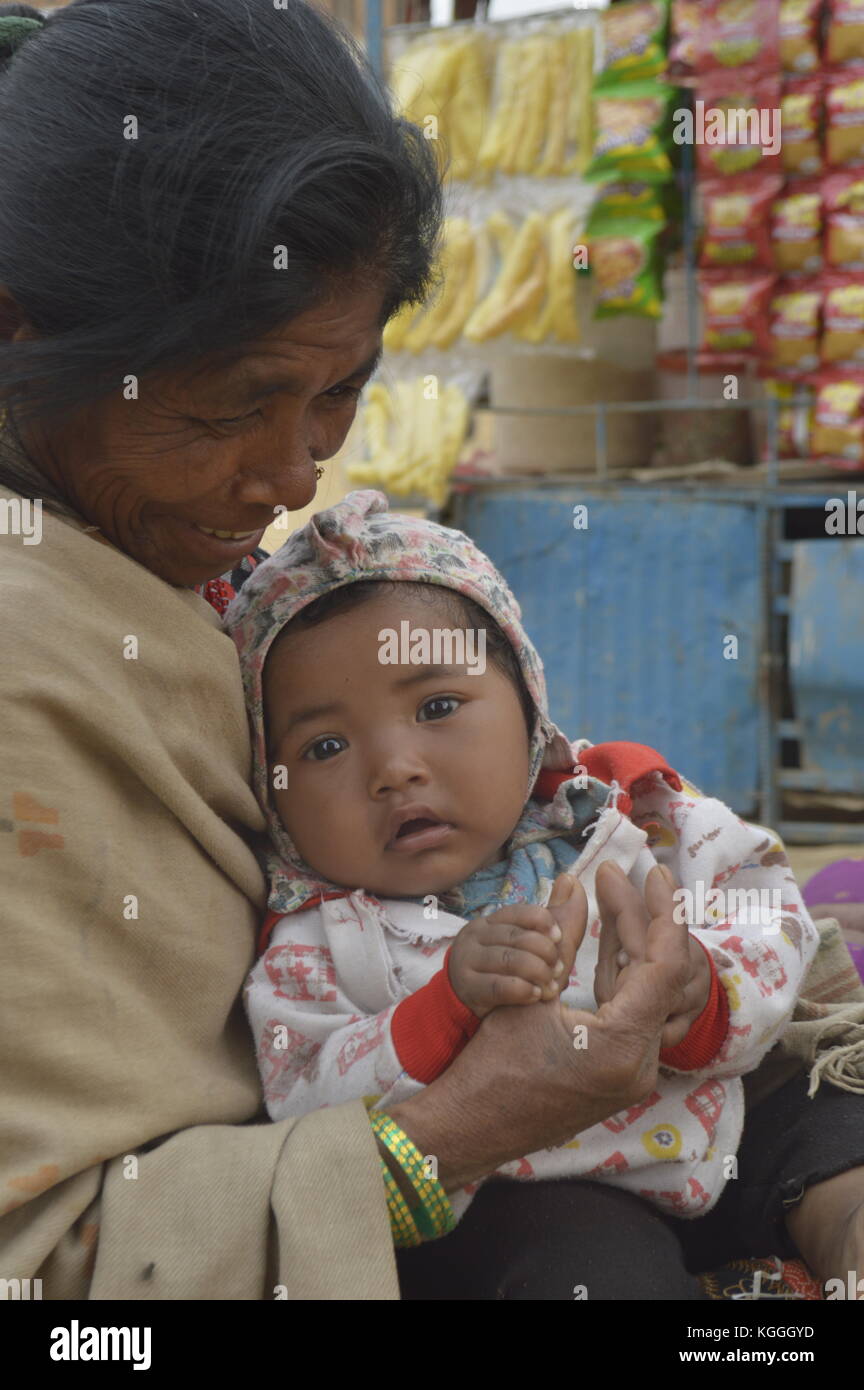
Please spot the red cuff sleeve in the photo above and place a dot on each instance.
(707, 1033)
(431, 1027)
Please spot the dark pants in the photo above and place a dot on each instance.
(554, 1239)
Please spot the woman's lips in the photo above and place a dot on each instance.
(427, 836)
(239, 543)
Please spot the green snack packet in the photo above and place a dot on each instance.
(632, 42)
(618, 201)
(626, 266)
(633, 133)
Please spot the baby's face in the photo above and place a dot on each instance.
(366, 744)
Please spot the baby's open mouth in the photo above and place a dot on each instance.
(419, 832)
(422, 823)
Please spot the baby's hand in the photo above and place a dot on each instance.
(510, 957)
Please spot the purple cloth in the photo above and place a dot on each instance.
(840, 882)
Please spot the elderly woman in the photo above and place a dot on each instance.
(208, 212)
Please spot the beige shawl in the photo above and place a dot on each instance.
(135, 1160)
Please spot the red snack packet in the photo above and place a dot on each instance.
(796, 228)
(735, 312)
(843, 195)
(737, 123)
(736, 220)
(799, 35)
(838, 424)
(843, 331)
(794, 314)
(801, 105)
(734, 33)
(844, 118)
(844, 40)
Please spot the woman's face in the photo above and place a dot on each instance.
(217, 450)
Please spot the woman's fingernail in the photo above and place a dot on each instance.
(668, 875)
(536, 991)
(561, 890)
(558, 968)
(555, 933)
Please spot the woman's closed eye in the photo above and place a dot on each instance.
(433, 706)
(324, 748)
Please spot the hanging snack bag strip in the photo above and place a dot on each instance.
(794, 419)
(626, 269)
(801, 120)
(799, 35)
(838, 425)
(797, 229)
(735, 214)
(733, 33)
(844, 41)
(843, 333)
(632, 134)
(735, 312)
(632, 42)
(843, 194)
(844, 118)
(682, 48)
(794, 328)
(737, 127)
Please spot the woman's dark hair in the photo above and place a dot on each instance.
(463, 612)
(157, 154)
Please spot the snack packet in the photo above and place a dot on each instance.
(632, 130)
(801, 120)
(794, 327)
(843, 195)
(796, 229)
(735, 312)
(735, 214)
(799, 35)
(682, 48)
(619, 201)
(632, 42)
(844, 118)
(733, 33)
(838, 424)
(844, 40)
(626, 269)
(737, 126)
(843, 332)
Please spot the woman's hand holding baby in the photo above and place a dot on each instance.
(509, 957)
(522, 1083)
(622, 948)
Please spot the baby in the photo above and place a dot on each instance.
(420, 805)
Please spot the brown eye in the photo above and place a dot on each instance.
(324, 748)
(350, 393)
(445, 704)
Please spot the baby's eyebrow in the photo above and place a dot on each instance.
(304, 716)
(425, 673)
